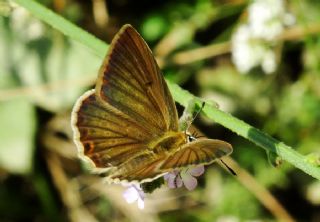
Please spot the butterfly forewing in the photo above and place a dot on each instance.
(131, 81)
(104, 135)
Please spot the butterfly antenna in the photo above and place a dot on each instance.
(195, 116)
(229, 168)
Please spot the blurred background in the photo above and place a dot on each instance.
(259, 60)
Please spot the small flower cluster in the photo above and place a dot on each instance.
(253, 42)
(175, 179)
(186, 177)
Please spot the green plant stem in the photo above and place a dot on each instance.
(249, 132)
(181, 96)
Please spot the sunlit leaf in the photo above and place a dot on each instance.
(17, 130)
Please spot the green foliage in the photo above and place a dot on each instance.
(149, 187)
(154, 27)
(38, 56)
(17, 135)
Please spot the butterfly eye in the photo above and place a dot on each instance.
(191, 138)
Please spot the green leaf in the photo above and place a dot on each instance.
(51, 68)
(17, 131)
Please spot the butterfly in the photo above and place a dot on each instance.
(127, 127)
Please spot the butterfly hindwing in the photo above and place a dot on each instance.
(143, 168)
(201, 151)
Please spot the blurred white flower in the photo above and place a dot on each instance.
(29, 27)
(134, 193)
(246, 54)
(35, 30)
(266, 18)
(186, 176)
(253, 43)
(313, 193)
(269, 63)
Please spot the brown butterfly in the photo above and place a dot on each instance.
(127, 127)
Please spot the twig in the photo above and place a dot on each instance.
(259, 191)
(216, 49)
(201, 53)
(8, 94)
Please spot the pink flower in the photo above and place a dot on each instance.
(186, 176)
(134, 193)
